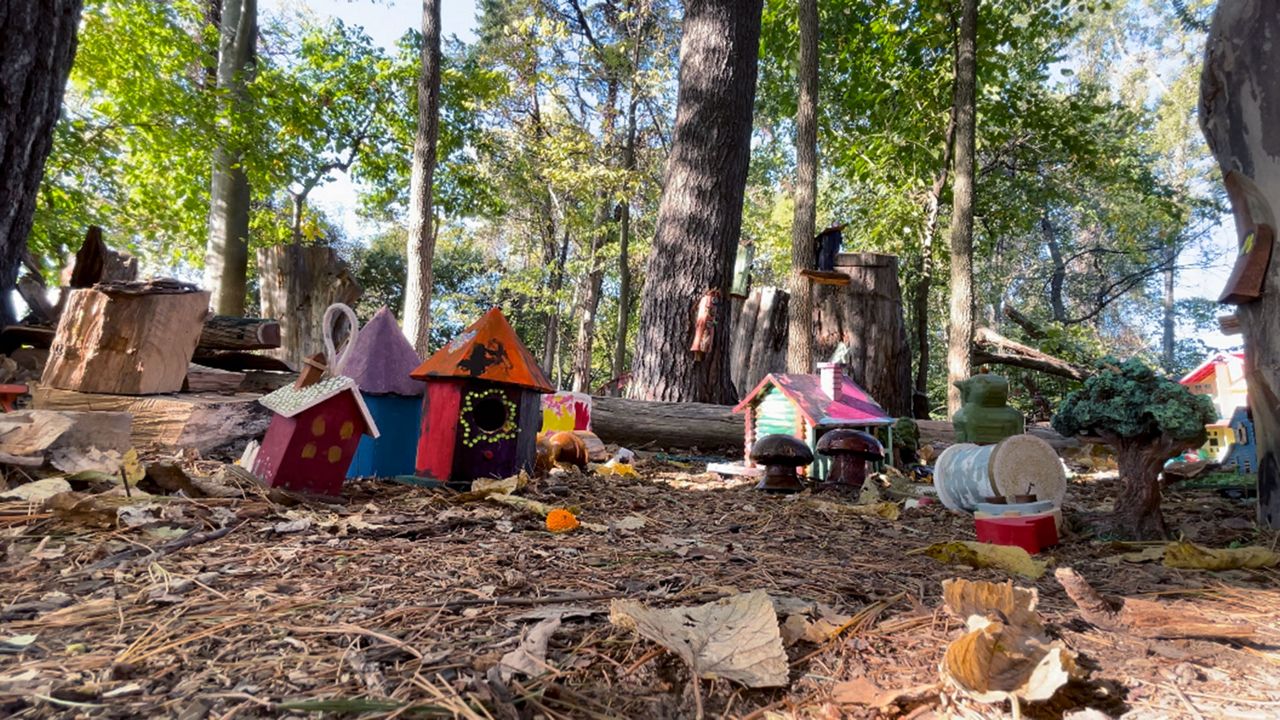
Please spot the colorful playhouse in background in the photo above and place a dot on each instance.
(482, 407)
(380, 361)
(1221, 376)
(806, 407)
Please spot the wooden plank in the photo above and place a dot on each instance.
(1229, 325)
(824, 277)
(202, 421)
(207, 379)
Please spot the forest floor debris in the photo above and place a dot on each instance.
(408, 601)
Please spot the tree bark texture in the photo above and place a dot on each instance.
(760, 331)
(800, 326)
(990, 347)
(700, 214)
(1169, 319)
(960, 328)
(1136, 514)
(924, 283)
(624, 249)
(298, 283)
(1240, 117)
(226, 261)
(600, 235)
(637, 424)
(422, 242)
(867, 316)
(37, 48)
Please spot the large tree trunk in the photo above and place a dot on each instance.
(800, 325)
(960, 329)
(422, 241)
(298, 283)
(700, 215)
(226, 260)
(866, 315)
(924, 283)
(37, 47)
(1240, 116)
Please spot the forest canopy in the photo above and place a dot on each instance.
(1092, 192)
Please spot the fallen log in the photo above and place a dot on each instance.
(1144, 618)
(641, 423)
(990, 347)
(222, 332)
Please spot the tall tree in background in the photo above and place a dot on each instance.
(960, 329)
(37, 47)
(700, 214)
(226, 263)
(1241, 120)
(417, 305)
(800, 309)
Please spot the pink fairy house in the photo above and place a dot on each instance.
(807, 406)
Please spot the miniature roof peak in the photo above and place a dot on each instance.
(488, 349)
(854, 407)
(288, 401)
(381, 359)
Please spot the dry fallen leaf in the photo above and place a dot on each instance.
(1150, 554)
(984, 555)
(1005, 652)
(531, 657)
(1189, 556)
(858, 691)
(133, 468)
(483, 487)
(617, 469)
(736, 638)
(38, 490)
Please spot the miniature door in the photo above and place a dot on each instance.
(488, 432)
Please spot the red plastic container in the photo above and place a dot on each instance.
(1032, 533)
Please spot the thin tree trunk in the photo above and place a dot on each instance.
(700, 215)
(624, 229)
(551, 343)
(800, 321)
(960, 331)
(1058, 280)
(920, 299)
(226, 261)
(421, 242)
(595, 275)
(1241, 120)
(296, 221)
(1136, 514)
(37, 47)
(1168, 307)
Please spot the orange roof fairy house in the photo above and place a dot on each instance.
(482, 407)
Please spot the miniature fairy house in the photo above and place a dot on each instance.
(313, 436)
(380, 361)
(1222, 377)
(482, 407)
(1244, 450)
(807, 406)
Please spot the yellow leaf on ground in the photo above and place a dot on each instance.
(984, 555)
(616, 469)
(133, 468)
(483, 487)
(1189, 556)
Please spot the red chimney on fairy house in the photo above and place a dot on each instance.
(312, 438)
(482, 407)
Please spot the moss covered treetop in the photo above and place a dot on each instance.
(1130, 401)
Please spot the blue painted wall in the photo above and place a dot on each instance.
(392, 454)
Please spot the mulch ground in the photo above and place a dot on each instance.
(402, 601)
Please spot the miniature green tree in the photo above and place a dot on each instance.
(1147, 419)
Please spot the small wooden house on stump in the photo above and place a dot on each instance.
(380, 361)
(806, 407)
(313, 436)
(483, 405)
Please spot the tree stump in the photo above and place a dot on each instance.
(126, 338)
(297, 284)
(866, 315)
(759, 338)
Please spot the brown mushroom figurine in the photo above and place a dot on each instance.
(849, 450)
(781, 455)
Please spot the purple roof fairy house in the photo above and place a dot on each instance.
(807, 406)
(380, 361)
